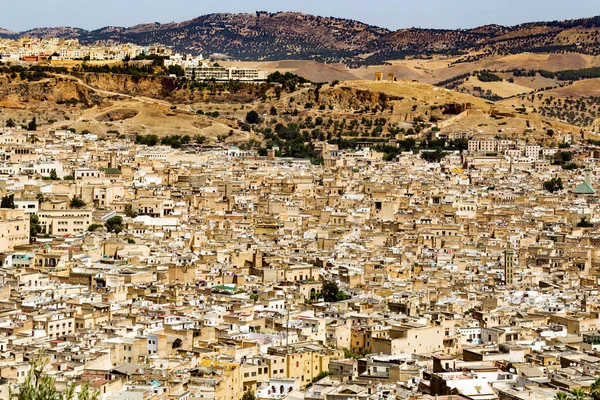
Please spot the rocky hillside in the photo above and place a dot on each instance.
(286, 35)
(15, 93)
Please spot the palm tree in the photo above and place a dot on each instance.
(39, 386)
(577, 394)
(595, 389)
(561, 396)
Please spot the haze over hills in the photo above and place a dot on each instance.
(288, 35)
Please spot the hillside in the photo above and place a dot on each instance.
(287, 35)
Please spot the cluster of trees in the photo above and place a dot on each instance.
(288, 81)
(331, 292)
(291, 142)
(455, 81)
(438, 148)
(578, 74)
(581, 111)
(148, 140)
(114, 224)
(564, 75)
(487, 76)
(77, 202)
(8, 201)
(175, 141)
(31, 73)
(554, 185)
(134, 70)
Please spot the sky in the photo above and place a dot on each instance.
(19, 15)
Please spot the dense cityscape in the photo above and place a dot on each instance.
(174, 227)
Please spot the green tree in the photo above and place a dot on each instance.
(200, 139)
(32, 126)
(584, 223)
(433, 156)
(114, 224)
(248, 395)
(130, 212)
(595, 389)
(76, 202)
(176, 70)
(332, 293)
(351, 354)
(577, 394)
(93, 227)
(39, 386)
(561, 396)
(35, 228)
(554, 185)
(8, 201)
(40, 198)
(53, 175)
(10, 123)
(252, 117)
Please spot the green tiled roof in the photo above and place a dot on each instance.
(111, 171)
(584, 188)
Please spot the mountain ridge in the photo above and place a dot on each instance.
(284, 35)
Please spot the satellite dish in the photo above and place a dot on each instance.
(512, 370)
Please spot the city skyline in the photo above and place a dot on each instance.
(388, 14)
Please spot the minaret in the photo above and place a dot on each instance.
(509, 263)
(588, 176)
(112, 163)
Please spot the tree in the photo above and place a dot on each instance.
(433, 156)
(252, 117)
(176, 70)
(32, 126)
(200, 139)
(40, 198)
(76, 202)
(248, 395)
(561, 396)
(8, 201)
(577, 394)
(35, 228)
(130, 212)
(554, 185)
(38, 386)
(595, 389)
(93, 227)
(584, 223)
(10, 123)
(332, 293)
(53, 175)
(114, 224)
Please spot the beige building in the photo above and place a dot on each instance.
(14, 229)
(58, 220)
